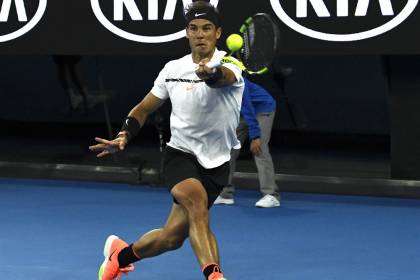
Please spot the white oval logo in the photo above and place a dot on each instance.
(134, 12)
(394, 22)
(21, 13)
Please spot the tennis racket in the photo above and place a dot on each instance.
(260, 42)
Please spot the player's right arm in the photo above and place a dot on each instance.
(132, 124)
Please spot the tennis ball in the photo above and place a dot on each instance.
(234, 42)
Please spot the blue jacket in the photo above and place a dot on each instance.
(255, 100)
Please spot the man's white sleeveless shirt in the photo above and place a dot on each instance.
(203, 119)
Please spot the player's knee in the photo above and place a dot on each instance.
(190, 195)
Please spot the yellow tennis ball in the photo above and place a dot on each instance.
(234, 42)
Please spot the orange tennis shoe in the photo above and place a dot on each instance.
(110, 268)
(216, 275)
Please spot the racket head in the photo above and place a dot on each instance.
(261, 40)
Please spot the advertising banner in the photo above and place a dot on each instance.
(157, 27)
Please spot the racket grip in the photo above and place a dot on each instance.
(213, 64)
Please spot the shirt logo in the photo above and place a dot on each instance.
(345, 20)
(16, 23)
(142, 22)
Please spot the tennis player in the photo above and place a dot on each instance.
(205, 113)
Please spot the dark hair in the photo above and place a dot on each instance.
(204, 10)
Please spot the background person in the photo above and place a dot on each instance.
(257, 116)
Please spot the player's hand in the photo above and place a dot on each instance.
(255, 146)
(106, 147)
(204, 72)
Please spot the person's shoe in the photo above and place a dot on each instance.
(222, 200)
(110, 268)
(268, 201)
(216, 275)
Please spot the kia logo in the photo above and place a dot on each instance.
(129, 20)
(28, 15)
(391, 13)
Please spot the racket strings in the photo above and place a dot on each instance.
(246, 49)
(260, 43)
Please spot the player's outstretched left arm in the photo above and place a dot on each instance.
(215, 77)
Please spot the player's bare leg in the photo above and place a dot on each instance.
(170, 237)
(192, 196)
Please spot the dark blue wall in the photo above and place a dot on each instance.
(337, 94)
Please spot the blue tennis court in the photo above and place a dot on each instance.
(56, 230)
